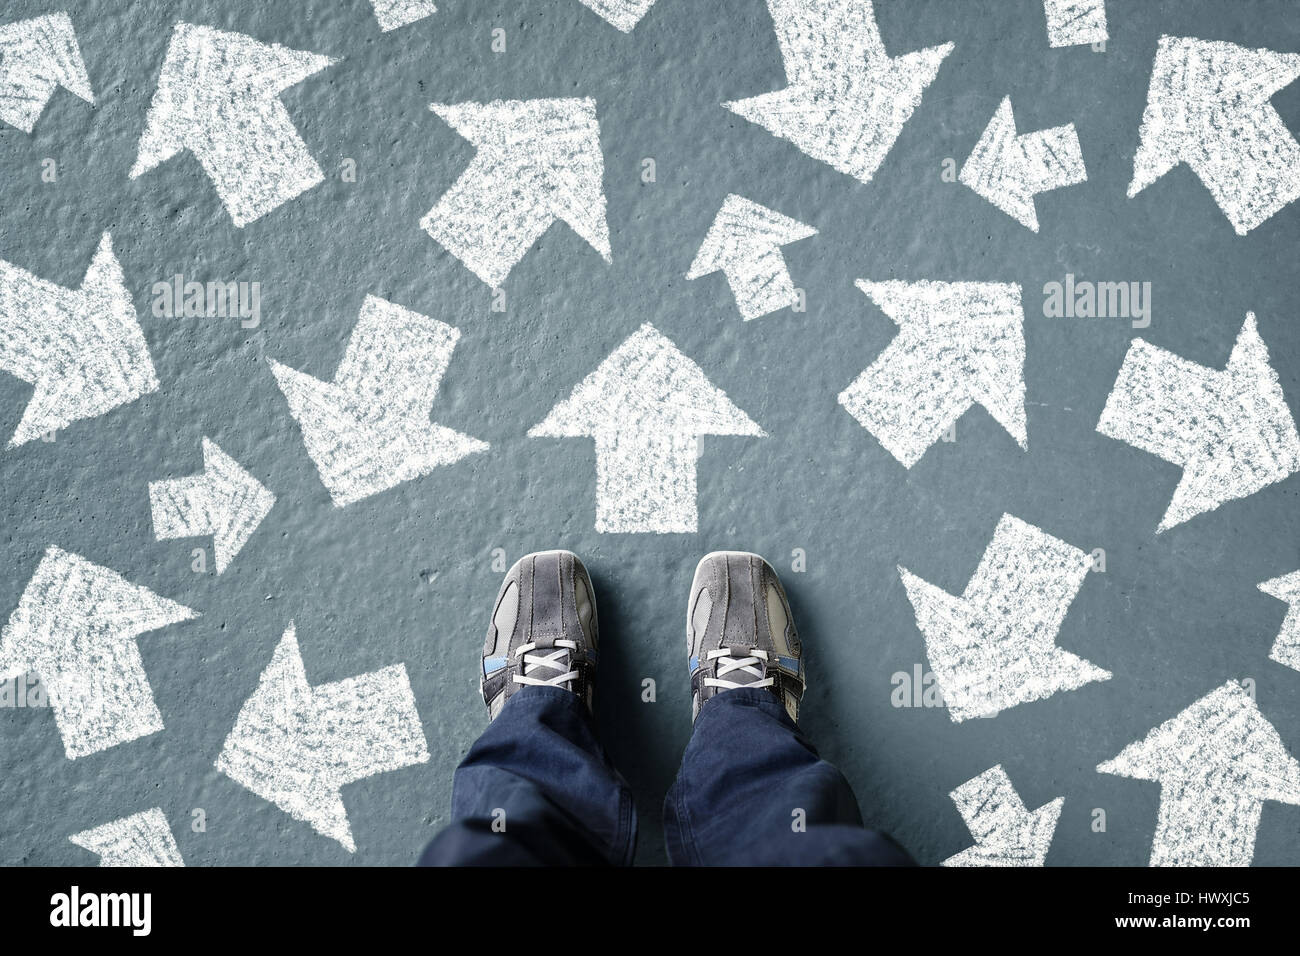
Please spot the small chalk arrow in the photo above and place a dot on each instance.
(224, 501)
(1230, 430)
(368, 430)
(76, 627)
(1216, 763)
(1208, 106)
(36, 57)
(1286, 649)
(1006, 832)
(646, 406)
(537, 161)
(1075, 22)
(393, 14)
(995, 646)
(1009, 170)
(745, 242)
(847, 100)
(622, 14)
(297, 746)
(142, 839)
(959, 344)
(218, 96)
(82, 349)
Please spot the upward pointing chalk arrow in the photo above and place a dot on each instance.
(36, 57)
(393, 14)
(646, 406)
(622, 14)
(1286, 649)
(1006, 832)
(1216, 763)
(142, 839)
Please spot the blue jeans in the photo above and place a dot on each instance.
(537, 788)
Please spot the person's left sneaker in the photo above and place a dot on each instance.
(543, 630)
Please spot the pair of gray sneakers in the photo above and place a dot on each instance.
(739, 631)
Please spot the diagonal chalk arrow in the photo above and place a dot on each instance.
(36, 57)
(1216, 763)
(745, 242)
(297, 746)
(995, 646)
(368, 430)
(1208, 106)
(218, 97)
(622, 14)
(142, 839)
(847, 100)
(646, 406)
(393, 14)
(1075, 22)
(82, 349)
(1286, 649)
(1006, 832)
(224, 501)
(76, 627)
(537, 161)
(1230, 430)
(1009, 170)
(959, 344)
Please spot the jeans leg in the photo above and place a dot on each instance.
(537, 789)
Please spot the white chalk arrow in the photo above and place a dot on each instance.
(142, 839)
(1216, 763)
(36, 57)
(995, 646)
(224, 501)
(76, 627)
(646, 406)
(1075, 22)
(297, 746)
(537, 161)
(1230, 430)
(218, 97)
(622, 14)
(1286, 649)
(82, 349)
(847, 100)
(959, 344)
(368, 430)
(1208, 106)
(393, 14)
(745, 242)
(1009, 170)
(1006, 832)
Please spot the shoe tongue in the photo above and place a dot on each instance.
(740, 675)
(545, 647)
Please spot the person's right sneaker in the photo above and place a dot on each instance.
(740, 633)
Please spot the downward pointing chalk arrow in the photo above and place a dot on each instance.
(646, 406)
(1230, 430)
(393, 14)
(1286, 649)
(224, 501)
(1009, 170)
(82, 349)
(142, 839)
(298, 746)
(1075, 22)
(218, 97)
(623, 14)
(1006, 832)
(1216, 763)
(995, 646)
(959, 344)
(36, 57)
(76, 627)
(538, 161)
(847, 100)
(1208, 106)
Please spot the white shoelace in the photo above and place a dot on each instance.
(550, 662)
(727, 663)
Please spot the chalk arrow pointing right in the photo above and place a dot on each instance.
(1286, 649)
(36, 57)
(1230, 430)
(622, 14)
(393, 14)
(142, 839)
(1006, 832)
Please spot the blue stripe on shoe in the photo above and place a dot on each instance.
(694, 663)
(789, 663)
(493, 664)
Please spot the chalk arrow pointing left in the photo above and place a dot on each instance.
(1006, 832)
(646, 406)
(218, 96)
(142, 839)
(36, 57)
(1286, 649)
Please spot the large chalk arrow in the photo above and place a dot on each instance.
(1208, 106)
(36, 57)
(959, 344)
(142, 839)
(745, 242)
(995, 646)
(76, 627)
(537, 161)
(646, 406)
(1230, 430)
(1216, 763)
(218, 97)
(1075, 22)
(393, 14)
(298, 746)
(1286, 649)
(1009, 170)
(82, 349)
(847, 100)
(1006, 832)
(369, 429)
(622, 14)
(224, 501)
